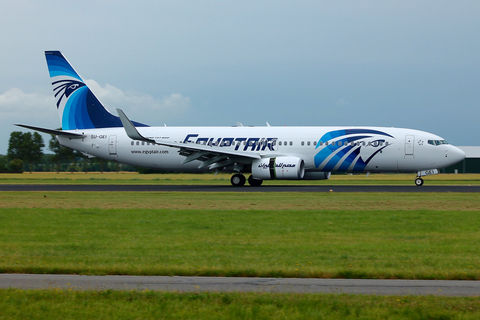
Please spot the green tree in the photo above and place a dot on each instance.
(3, 163)
(26, 147)
(16, 166)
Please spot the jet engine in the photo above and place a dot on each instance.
(281, 168)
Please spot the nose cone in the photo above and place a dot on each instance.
(456, 155)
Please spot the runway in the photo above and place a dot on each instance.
(224, 284)
(229, 188)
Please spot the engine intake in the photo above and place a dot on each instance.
(281, 168)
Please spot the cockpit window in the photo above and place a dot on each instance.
(437, 142)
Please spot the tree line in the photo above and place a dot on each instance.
(25, 153)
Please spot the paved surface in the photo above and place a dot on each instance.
(228, 188)
(222, 284)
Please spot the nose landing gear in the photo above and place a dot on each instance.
(420, 174)
(418, 181)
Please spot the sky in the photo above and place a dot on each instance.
(411, 64)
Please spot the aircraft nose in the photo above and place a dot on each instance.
(457, 155)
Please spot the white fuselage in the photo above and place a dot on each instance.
(371, 149)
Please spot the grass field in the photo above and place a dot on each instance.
(354, 235)
(57, 304)
(374, 235)
(224, 179)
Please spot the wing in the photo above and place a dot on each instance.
(212, 157)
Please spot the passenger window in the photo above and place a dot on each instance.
(308, 143)
(133, 142)
(138, 143)
(291, 143)
(314, 143)
(285, 143)
(303, 143)
(279, 143)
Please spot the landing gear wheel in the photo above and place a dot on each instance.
(419, 182)
(254, 182)
(238, 180)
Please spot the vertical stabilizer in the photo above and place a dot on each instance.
(76, 104)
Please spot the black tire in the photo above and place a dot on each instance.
(254, 182)
(238, 180)
(419, 182)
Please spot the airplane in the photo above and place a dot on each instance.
(265, 153)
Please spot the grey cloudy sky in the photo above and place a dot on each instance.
(413, 64)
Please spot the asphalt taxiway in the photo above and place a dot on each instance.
(224, 284)
(229, 188)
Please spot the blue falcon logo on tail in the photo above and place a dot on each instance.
(77, 106)
(64, 88)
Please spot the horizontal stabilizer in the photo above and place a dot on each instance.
(54, 132)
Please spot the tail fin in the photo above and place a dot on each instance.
(76, 104)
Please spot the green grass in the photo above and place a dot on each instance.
(224, 179)
(374, 235)
(354, 235)
(57, 304)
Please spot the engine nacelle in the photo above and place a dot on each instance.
(317, 175)
(281, 168)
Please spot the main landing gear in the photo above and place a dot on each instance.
(418, 181)
(254, 182)
(238, 180)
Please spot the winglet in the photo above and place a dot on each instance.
(130, 129)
